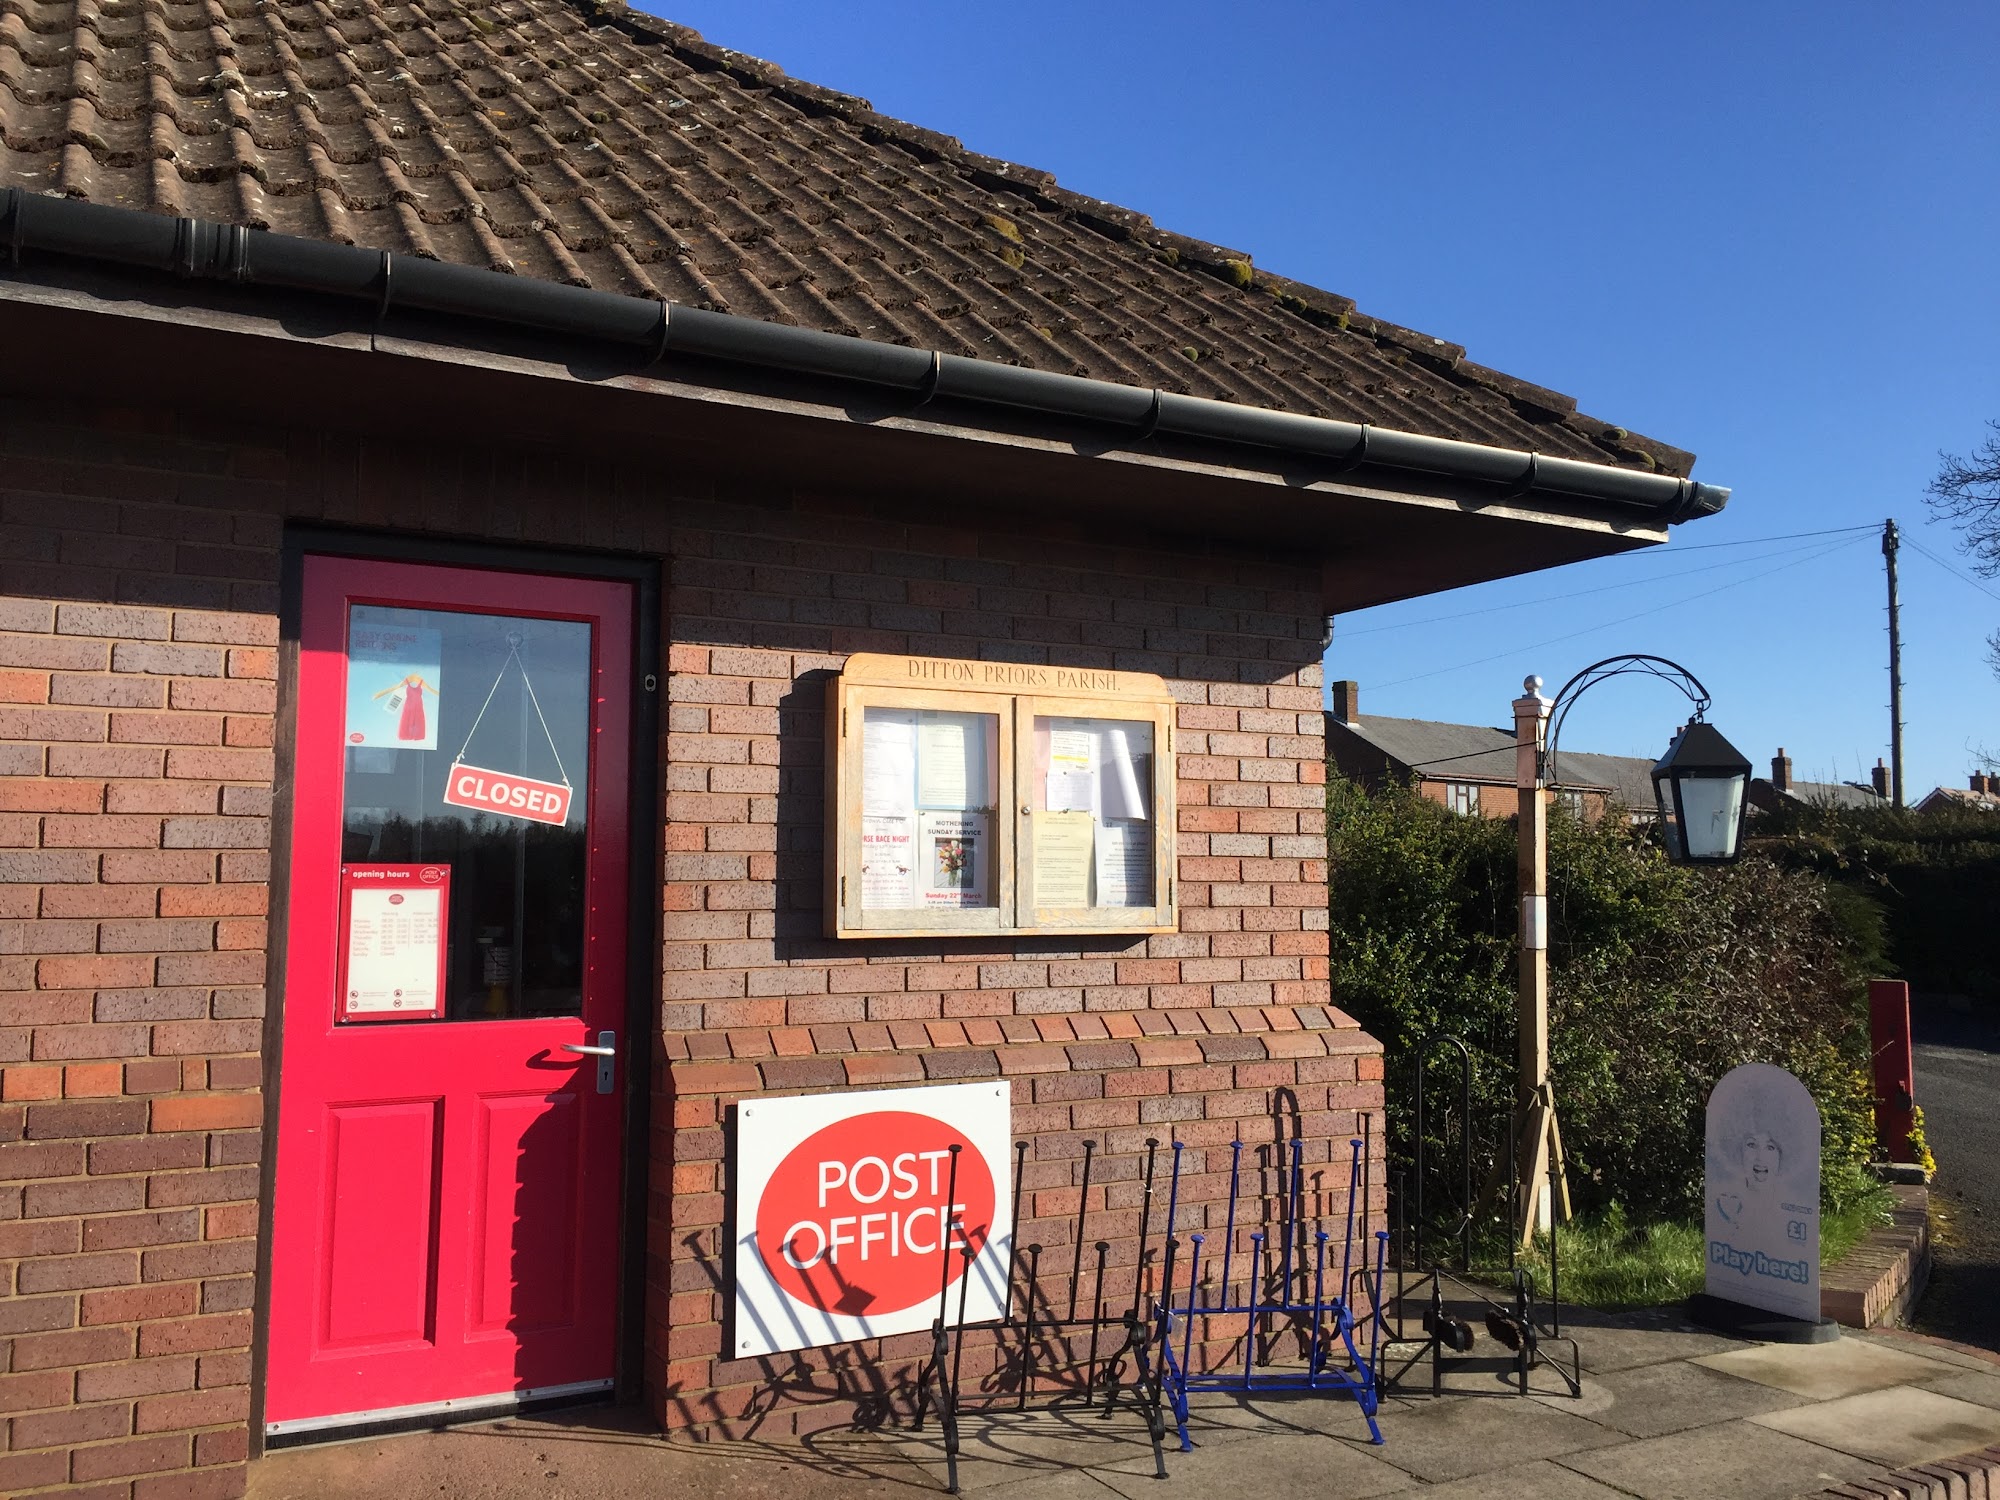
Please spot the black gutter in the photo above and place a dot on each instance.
(201, 250)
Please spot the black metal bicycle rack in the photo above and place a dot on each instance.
(1529, 1332)
(1120, 1357)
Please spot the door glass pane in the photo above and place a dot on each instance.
(929, 783)
(468, 745)
(1090, 804)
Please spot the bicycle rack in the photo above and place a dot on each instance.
(939, 1382)
(1446, 1339)
(1270, 1298)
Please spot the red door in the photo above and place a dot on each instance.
(449, 1162)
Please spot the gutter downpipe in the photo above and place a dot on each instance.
(202, 250)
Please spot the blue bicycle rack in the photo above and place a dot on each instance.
(1288, 1290)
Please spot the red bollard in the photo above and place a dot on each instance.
(1895, 1071)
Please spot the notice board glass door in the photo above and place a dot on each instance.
(450, 1147)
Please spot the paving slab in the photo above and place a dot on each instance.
(1011, 1447)
(1897, 1426)
(1969, 1385)
(1466, 1435)
(596, 1454)
(1653, 1400)
(1626, 1341)
(1543, 1480)
(1729, 1461)
(1295, 1463)
(1825, 1372)
(1965, 1358)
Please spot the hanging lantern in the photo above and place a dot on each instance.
(1700, 783)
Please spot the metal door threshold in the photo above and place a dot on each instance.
(357, 1424)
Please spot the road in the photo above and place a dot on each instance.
(1958, 1079)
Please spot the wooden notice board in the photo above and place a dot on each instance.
(997, 797)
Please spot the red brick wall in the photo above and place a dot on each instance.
(1202, 1077)
(138, 597)
(763, 609)
(137, 688)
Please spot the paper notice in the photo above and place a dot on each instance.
(1062, 858)
(393, 938)
(888, 865)
(946, 752)
(888, 761)
(954, 859)
(1122, 796)
(1072, 767)
(1124, 864)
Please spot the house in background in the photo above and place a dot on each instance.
(1469, 768)
(1781, 790)
(1981, 793)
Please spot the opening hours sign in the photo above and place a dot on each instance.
(850, 1216)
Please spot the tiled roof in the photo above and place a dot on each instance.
(1831, 794)
(579, 142)
(1443, 752)
(1475, 752)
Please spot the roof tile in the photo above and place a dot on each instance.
(578, 141)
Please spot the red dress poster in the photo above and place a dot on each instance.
(411, 725)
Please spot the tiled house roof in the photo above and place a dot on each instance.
(584, 143)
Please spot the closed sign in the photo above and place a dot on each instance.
(850, 1214)
(506, 795)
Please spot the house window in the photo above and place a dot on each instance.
(1571, 802)
(1462, 797)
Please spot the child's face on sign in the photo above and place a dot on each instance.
(1763, 1158)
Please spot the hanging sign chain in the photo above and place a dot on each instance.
(513, 658)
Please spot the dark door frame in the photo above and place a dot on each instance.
(643, 878)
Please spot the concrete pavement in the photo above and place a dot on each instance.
(1668, 1413)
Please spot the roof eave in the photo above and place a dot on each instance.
(203, 250)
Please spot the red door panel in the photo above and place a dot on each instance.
(529, 1157)
(448, 1180)
(379, 1211)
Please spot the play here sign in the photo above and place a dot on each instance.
(853, 1208)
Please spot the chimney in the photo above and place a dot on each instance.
(1781, 770)
(1980, 782)
(1347, 702)
(1880, 776)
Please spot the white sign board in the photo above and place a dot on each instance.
(848, 1217)
(1762, 1199)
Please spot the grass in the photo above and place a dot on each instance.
(1606, 1260)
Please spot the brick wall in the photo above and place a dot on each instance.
(137, 688)
(138, 598)
(1200, 1077)
(763, 609)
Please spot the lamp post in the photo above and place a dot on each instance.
(1699, 785)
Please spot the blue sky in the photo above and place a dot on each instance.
(1768, 233)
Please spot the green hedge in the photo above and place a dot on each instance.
(1661, 980)
(1934, 877)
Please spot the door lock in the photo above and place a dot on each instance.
(606, 1053)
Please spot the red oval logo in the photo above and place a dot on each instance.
(850, 1221)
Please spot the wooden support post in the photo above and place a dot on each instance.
(1531, 719)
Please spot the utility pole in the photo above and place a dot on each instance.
(1891, 540)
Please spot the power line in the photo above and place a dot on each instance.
(1792, 536)
(1629, 583)
(1515, 651)
(1966, 578)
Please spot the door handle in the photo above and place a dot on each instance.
(606, 1052)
